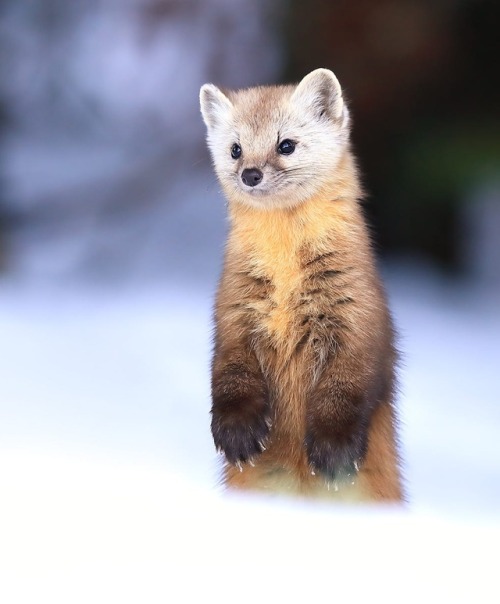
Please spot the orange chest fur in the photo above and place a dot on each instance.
(283, 269)
(271, 246)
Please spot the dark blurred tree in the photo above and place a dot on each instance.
(420, 76)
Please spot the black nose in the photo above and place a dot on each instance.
(251, 177)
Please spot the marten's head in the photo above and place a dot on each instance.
(277, 146)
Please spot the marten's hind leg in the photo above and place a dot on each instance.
(380, 476)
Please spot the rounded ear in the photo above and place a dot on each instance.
(320, 92)
(214, 104)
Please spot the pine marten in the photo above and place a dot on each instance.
(303, 373)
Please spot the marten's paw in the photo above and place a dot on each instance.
(337, 454)
(240, 427)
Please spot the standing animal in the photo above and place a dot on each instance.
(303, 374)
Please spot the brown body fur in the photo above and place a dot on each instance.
(301, 317)
(303, 367)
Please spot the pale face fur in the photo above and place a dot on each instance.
(312, 115)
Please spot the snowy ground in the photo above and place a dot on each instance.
(108, 474)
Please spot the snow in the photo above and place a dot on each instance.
(109, 477)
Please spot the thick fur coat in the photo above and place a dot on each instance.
(303, 374)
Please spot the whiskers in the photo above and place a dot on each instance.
(279, 188)
(294, 176)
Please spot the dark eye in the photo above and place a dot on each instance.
(286, 147)
(235, 151)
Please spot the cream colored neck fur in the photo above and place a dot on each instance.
(278, 233)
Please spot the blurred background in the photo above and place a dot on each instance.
(112, 227)
(101, 131)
